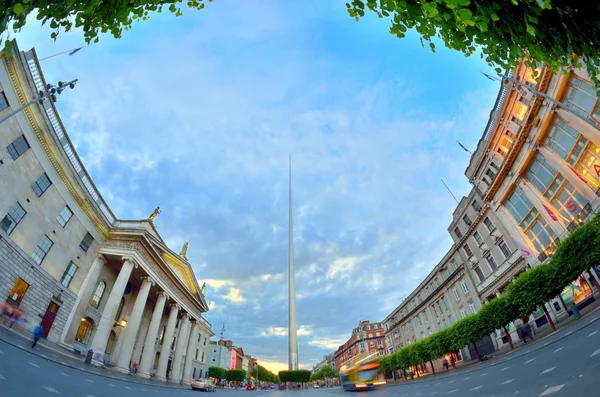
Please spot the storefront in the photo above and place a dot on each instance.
(578, 292)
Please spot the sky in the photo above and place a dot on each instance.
(198, 115)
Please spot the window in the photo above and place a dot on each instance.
(491, 261)
(447, 272)
(68, 274)
(445, 323)
(376, 333)
(445, 302)
(490, 173)
(477, 237)
(519, 111)
(98, 294)
(42, 249)
(456, 294)
(519, 206)
(84, 331)
(463, 284)
(64, 216)
(488, 223)
(3, 101)
(541, 235)
(454, 264)
(450, 319)
(479, 273)
(581, 98)
(463, 312)
(424, 317)
(18, 290)
(458, 233)
(505, 144)
(86, 242)
(515, 120)
(541, 174)
(475, 204)
(372, 344)
(440, 307)
(18, 147)
(468, 250)
(472, 307)
(434, 310)
(12, 219)
(41, 185)
(568, 201)
(467, 220)
(504, 248)
(562, 138)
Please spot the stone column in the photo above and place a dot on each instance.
(83, 298)
(147, 360)
(161, 370)
(133, 325)
(110, 310)
(180, 347)
(141, 337)
(191, 349)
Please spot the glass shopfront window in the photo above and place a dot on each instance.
(569, 202)
(581, 98)
(542, 236)
(576, 292)
(589, 165)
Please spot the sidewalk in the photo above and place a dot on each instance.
(22, 339)
(563, 329)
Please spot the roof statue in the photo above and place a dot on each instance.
(154, 214)
(184, 250)
(203, 289)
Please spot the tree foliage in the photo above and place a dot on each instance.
(216, 372)
(505, 31)
(532, 289)
(297, 376)
(93, 16)
(325, 373)
(236, 375)
(264, 375)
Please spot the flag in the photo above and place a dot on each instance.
(551, 213)
(464, 148)
(523, 248)
(579, 175)
(75, 51)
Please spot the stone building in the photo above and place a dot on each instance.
(366, 338)
(94, 281)
(219, 354)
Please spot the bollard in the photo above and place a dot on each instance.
(88, 358)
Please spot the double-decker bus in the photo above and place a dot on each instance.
(361, 372)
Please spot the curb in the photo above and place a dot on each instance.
(89, 372)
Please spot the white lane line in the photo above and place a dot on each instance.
(552, 390)
(483, 374)
(111, 385)
(89, 380)
(88, 395)
(54, 355)
(547, 370)
(559, 349)
(33, 365)
(63, 374)
(128, 388)
(1, 352)
(418, 394)
(477, 387)
(2, 377)
(546, 344)
(530, 360)
(51, 390)
(568, 333)
(593, 333)
(592, 320)
(452, 391)
(452, 381)
(507, 382)
(432, 393)
(22, 347)
(143, 389)
(596, 352)
(467, 378)
(43, 355)
(504, 369)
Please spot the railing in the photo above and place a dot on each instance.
(494, 115)
(60, 133)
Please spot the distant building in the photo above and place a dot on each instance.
(328, 360)
(367, 337)
(219, 354)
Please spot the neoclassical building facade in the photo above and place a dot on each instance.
(92, 281)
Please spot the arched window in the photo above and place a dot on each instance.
(120, 309)
(84, 331)
(98, 294)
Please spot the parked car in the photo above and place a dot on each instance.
(203, 385)
(250, 387)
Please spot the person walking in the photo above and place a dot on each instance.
(16, 318)
(37, 335)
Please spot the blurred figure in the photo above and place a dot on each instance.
(17, 318)
(5, 311)
(37, 335)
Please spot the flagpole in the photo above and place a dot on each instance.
(449, 191)
(60, 53)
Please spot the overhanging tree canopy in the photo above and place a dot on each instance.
(548, 31)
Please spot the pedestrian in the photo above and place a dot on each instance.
(16, 318)
(134, 367)
(445, 363)
(37, 335)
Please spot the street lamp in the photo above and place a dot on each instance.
(505, 81)
(50, 92)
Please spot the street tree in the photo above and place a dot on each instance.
(557, 33)
(216, 372)
(235, 375)
(92, 16)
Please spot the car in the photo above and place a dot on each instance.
(250, 387)
(203, 385)
(316, 386)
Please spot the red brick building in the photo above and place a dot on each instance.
(367, 337)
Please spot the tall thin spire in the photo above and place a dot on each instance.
(292, 335)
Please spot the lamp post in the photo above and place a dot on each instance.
(51, 89)
(505, 80)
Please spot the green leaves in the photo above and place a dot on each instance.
(18, 9)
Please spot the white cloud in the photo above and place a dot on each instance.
(344, 267)
(234, 296)
(303, 330)
(326, 343)
(216, 284)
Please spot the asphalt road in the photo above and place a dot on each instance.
(566, 364)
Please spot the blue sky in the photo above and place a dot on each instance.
(197, 114)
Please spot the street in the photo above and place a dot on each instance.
(565, 364)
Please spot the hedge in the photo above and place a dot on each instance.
(575, 254)
(297, 376)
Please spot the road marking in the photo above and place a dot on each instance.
(437, 384)
(21, 346)
(432, 393)
(483, 374)
(547, 370)
(452, 381)
(477, 387)
(546, 344)
(467, 378)
(452, 391)
(596, 352)
(43, 355)
(54, 355)
(507, 382)
(88, 395)
(128, 388)
(33, 365)
(592, 320)
(111, 385)
(568, 333)
(593, 333)
(63, 374)
(552, 390)
(504, 369)
(530, 360)
(559, 349)
(418, 394)
(1, 352)
(89, 380)
(2, 377)
(51, 390)
(143, 389)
